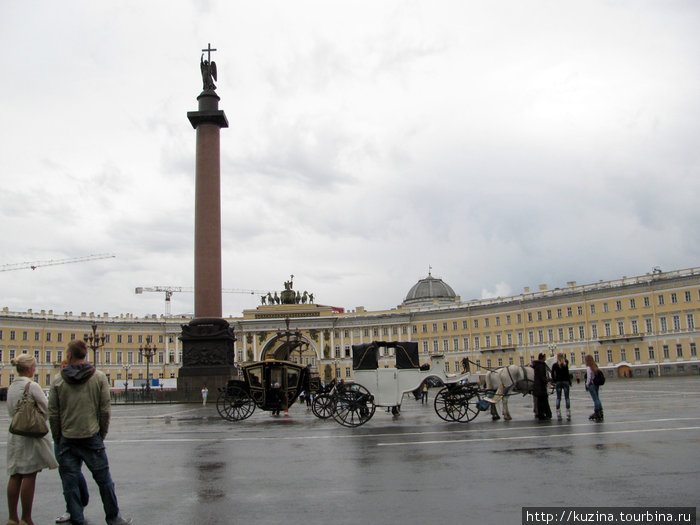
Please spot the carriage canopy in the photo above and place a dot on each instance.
(366, 356)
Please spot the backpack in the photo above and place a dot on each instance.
(599, 378)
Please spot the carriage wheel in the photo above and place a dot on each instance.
(449, 404)
(470, 401)
(354, 406)
(322, 406)
(234, 404)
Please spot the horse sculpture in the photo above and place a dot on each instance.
(508, 380)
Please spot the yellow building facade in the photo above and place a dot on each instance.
(634, 326)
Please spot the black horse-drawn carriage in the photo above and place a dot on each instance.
(271, 385)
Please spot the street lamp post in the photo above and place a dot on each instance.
(148, 351)
(126, 378)
(95, 341)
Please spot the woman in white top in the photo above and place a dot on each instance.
(26, 456)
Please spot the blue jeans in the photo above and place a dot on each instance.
(82, 484)
(593, 390)
(563, 385)
(71, 455)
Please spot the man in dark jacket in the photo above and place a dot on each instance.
(539, 389)
(79, 413)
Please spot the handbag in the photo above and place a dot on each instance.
(28, 419)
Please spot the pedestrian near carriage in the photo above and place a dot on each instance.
(205, 394)
(424, 393)
(79, 414)
(591, 371)
(562, 381)
(26, 456)
(539, 389)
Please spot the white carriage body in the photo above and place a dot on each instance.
(388, 385)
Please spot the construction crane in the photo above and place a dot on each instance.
(170, 290)
(53, 262)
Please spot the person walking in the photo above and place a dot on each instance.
(562, 381)
(205, 394)
(591, 371)
(539, 389)
(79, 414)
(26, 456)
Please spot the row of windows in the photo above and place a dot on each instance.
(666, 351)
(119, 356)
(108, 339)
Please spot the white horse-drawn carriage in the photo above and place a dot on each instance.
(353, 404)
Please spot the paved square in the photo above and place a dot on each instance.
(182, 464)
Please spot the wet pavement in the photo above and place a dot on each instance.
(182, 464)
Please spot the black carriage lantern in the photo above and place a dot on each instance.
(94, 341)
(148, 351)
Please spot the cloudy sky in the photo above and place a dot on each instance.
(505, 144)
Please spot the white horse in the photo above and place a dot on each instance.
(511, 379)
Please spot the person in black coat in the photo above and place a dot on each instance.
(540, 390)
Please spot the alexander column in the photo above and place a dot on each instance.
(207, 341)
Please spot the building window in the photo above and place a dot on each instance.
(510, 339)
(12, 335)
(540, 336)
(454, 326)
(425, 347)
(445, 345)
(693, 350)
(677, 323)
(662, 324)
(661, 300)
(690, 321)
(596, 356)
(666, 352)
(436, 348)
(592, 308)
(620, 328)
(649, 326)
(581, 332)
(646, 302)
(520, 338)
(375, 332)
(605, 307)
(466, 343)
(635, 330)
(632, 304)
(519, 318)
(572, 358)
(607, 330)
(549, 314)
(108, 358)
(455, 344)
(651, 352)
(434, 327)
(637, 354)
(476, 342)
(531, 337)
(679, 350)
(539, 315)
(618, 305)
(571, 333)
(623, 354)
(687, 297)
(464, 325)
(444, 327)
(550, 335)
(674, 298)
(487, 341)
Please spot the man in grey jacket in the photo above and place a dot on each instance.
(79, 412)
